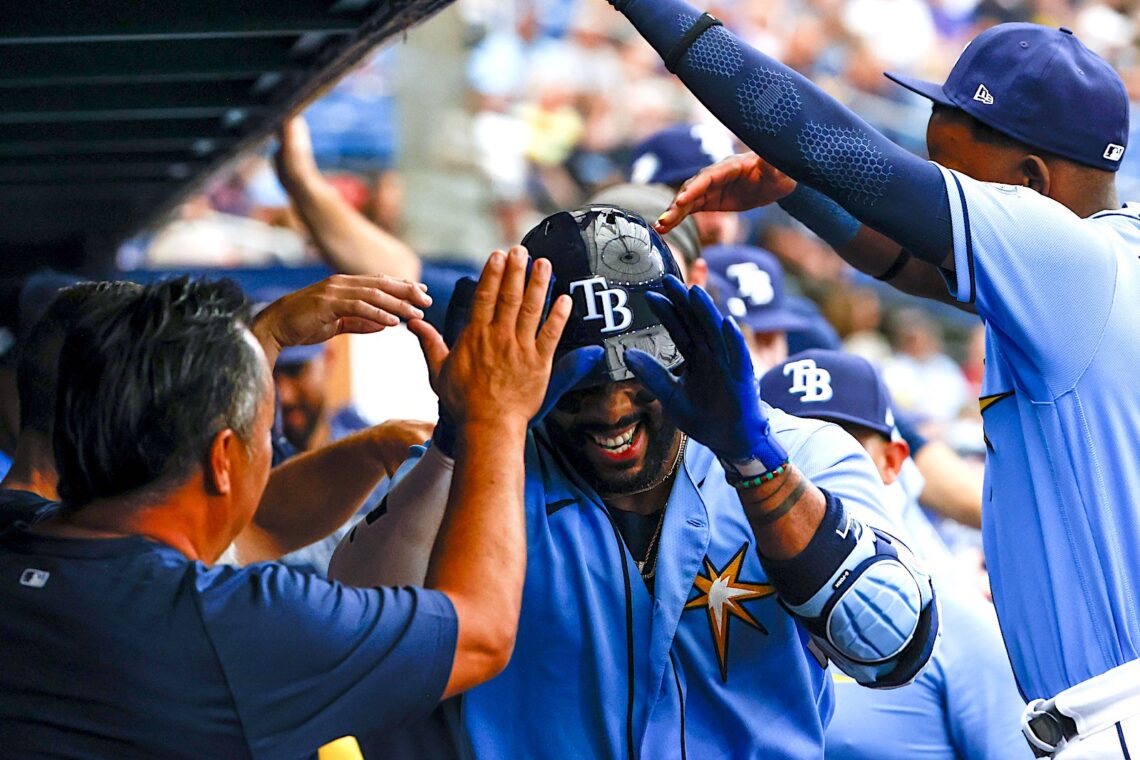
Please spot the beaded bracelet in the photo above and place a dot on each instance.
(760, 480)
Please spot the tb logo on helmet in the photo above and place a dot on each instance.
(813, 382)
(604, 302)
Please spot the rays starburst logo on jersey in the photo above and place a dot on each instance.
(721, 593)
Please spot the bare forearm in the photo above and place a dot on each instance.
(263, 333)
(481, 548)
(953, 486)
(784, 513)
(479, 559)
(312, 495)
(349, 242)
(880, 257)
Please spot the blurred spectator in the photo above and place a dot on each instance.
(924, 381)
(302, 379)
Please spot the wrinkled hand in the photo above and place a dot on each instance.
(294, 160)
(499, 367)
(716, 400)
(394, 437)
(737, 183)
(341, 304)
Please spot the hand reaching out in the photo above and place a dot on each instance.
(340, 304)
(737, 183)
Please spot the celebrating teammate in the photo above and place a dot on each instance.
(694, 556)
(130, 645)
(1018, 210)
(965, 705)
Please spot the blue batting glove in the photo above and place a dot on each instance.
(568, 371)
(716, 400)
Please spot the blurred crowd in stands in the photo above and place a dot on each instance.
(560, 95)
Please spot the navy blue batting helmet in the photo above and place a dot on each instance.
(606, 259)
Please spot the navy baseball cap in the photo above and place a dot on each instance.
(747, 284)
(674, 154)
(297, 356)
(1040, 86)
(832, 386)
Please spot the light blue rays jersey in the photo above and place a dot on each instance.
(1060, 297)
(710, 666)
(965, 705)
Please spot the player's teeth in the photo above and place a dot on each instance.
(618, 443)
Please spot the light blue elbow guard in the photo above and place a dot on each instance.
(876, 618)
(867, 603)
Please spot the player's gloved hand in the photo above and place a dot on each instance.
(715, 400)
(568, 371)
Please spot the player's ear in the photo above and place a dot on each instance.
(699, 273)
(218, 474)
(894, 454)
(1035, 172)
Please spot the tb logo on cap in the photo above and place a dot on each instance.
(808, 379)
(606, 303)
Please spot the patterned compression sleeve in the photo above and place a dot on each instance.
(800, 129)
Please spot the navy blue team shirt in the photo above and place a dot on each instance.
(125, 648)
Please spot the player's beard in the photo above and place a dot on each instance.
(662, 440)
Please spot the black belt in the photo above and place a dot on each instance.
(1051, 727)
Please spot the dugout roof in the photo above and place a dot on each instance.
(114, 110)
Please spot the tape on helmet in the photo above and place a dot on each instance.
(606, 259)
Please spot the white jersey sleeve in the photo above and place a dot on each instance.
(1041, 277)
(391, 546)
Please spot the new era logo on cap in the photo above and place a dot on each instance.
(983, 95)
(1114, 152)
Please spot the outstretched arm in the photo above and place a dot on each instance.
(314, 493)
(867, 604)
(348, 242)
(799, 129)
(493, 382)
(340, 304)
(746, 181)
